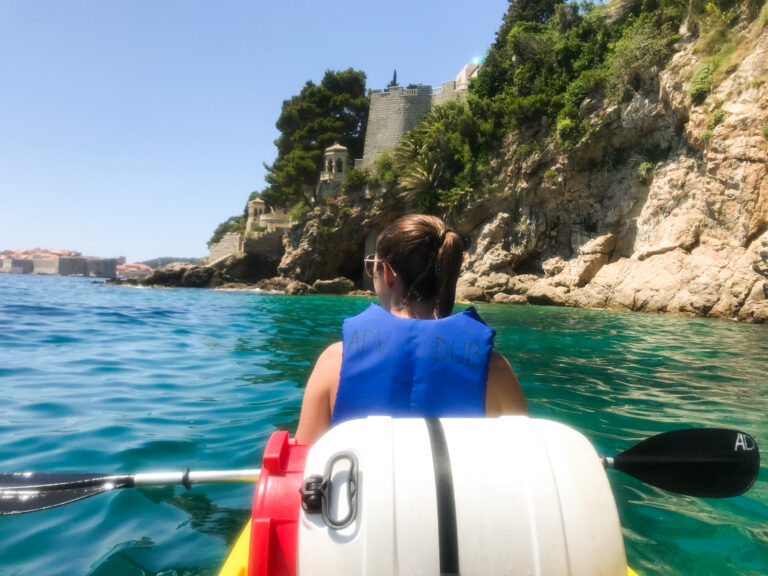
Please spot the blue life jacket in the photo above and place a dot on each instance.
(409, 367)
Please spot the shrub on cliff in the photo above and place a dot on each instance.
(385, 173)
(355, 181)
(639, 55)
(439, 156)
(701, 82)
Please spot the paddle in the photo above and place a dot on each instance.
(704, 462)
(30, 492)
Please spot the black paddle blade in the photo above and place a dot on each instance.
(22, 500)
(30, 492)
(705, 462)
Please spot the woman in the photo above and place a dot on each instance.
(410, 357)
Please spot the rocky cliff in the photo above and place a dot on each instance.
(602, 226)
(688, 236)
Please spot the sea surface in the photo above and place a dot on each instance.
(108, 379)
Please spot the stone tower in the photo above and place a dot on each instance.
(396, 110)
(335, 167)
(256, 209)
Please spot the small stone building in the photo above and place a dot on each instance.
(262, 220)
(256, 209)
(335, 168)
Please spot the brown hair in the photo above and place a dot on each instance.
(427, 256)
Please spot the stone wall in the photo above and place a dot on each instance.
(395, 111)
(49, 266)
(67, 266)
(392, 114)
(102, 267)
(22, 266)
(449, 91)
(228, 245)
(73, 266)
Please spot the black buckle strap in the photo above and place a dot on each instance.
(316, 492)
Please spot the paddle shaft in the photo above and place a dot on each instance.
(30, 492)
(202, 477)
(136, 480)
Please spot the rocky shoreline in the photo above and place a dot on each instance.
(178, 275)
(580, 283)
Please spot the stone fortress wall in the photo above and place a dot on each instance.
(102, 267)
(397, 110)
(48, 266)
(393, 112)
(231, 243)
(453, 90)
(64, 266)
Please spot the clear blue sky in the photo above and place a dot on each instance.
(133, 127)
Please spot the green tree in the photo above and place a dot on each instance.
(393, 82)
(436, 159)
(336, 110)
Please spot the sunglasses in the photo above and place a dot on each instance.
(369, 262)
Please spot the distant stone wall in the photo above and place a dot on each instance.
(66, 266)
(228, 245)
(48, 266)
(22, 266)
(102, 267)
(392, 114)
(449, 91)
(73, 267)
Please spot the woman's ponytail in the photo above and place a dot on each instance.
(447, 268)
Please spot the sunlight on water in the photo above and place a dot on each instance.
(122, 380)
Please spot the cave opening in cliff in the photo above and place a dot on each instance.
(352, 266)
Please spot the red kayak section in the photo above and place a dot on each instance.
(275, 520)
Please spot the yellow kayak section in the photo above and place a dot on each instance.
(237, 561)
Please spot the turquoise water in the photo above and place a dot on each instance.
(117, 379)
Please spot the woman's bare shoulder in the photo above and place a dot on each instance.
(320, 395)
(504, 394)
(332, 354)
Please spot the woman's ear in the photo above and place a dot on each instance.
(389, 275)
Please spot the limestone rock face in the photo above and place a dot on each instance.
(590, 258)
(283, 285)
(179, 274)
(338, 285)
(760, 258)
(693, 240)
(331, 242)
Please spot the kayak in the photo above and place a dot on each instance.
(401, 496)
(237, 560)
